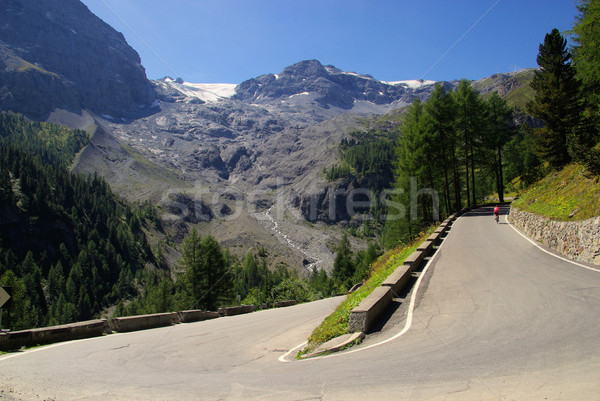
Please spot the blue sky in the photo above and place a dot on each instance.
(229, 41)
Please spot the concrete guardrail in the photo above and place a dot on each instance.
(361, 317)
(367, 312)
(283, 304)
(48, 335)
(398, 279)
(425, 247)
(188, 316)
(414, 259)
(435, 238)
(143, 322)
(236, 310)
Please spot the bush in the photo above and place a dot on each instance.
(592, 161)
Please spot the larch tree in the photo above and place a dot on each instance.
(499, 132)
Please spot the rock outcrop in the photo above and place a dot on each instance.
(58, 55)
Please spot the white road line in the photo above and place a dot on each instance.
(548, 252)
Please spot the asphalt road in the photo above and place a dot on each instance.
(495, 318)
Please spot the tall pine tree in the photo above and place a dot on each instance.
(586, 53)
(557, 101)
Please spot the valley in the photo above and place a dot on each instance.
(239, 151)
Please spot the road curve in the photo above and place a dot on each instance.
(495, 319)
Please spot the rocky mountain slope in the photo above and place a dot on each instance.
(58, 55)
(250, 158)
(245, 161)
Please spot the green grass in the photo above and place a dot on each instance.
(25, 66)
(562, 193)
(336, 324)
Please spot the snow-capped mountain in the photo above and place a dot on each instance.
(327, 86)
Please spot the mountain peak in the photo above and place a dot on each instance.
(306, 68)
(309, 81)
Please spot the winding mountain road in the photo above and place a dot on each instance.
(495, 318)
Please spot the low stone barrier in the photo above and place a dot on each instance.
(425, 247)
(143, 322)
(48, 335)
(398, 279)
(414, 259)
(578, 240)
(434, 238)
(282, 304)
(367, 312)
(236, 310)
(188, 316)
(87, 329)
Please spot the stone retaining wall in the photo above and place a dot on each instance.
(577, 240)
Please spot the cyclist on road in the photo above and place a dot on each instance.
(497, 213)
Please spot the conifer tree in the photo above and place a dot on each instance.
(441, 109)
(497, 134)
(557, 101)
(191, 262)
(343, 265)
(586, 53)
(207, 275)
(219, 279)
(470, 121)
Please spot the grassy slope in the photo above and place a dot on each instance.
(515, 90)
(561, 193)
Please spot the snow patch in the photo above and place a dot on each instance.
(155, 103)
(299, 94)
(333, 70)
(354, 74)
(206, 92)
(411, 83)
